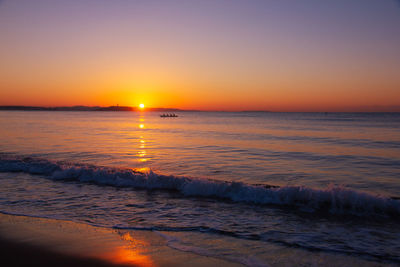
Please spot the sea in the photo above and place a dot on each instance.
(256, 188)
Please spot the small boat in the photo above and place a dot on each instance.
(168, 115)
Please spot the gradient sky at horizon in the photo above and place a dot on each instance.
(309, 55)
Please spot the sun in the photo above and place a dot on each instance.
(141, 106)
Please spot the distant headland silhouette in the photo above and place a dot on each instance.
(88, 108)
(110, 108)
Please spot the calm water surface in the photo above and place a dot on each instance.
(214, 170)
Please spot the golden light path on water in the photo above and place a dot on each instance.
(142, 143)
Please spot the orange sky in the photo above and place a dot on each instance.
(220, 55)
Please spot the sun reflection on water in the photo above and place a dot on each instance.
(142, 143)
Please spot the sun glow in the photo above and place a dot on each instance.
(141, 106)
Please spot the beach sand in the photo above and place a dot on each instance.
(27, 241)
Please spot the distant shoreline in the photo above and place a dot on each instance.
(112, 108)
(87, 108)
(137, 109)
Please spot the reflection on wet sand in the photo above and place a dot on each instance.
(129, 254)
(78, 240)
(82, 244)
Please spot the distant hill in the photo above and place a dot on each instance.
(86, 108)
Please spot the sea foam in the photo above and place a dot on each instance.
(334, 199)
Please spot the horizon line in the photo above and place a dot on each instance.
(367, 109)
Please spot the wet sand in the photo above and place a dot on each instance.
(21, 254)
(27, 241)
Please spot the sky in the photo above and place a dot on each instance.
(298, 55)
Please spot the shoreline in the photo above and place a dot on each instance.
(31, 241)
(15, 253)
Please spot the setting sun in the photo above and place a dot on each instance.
(141, 106)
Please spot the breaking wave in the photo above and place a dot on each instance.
(336, 200)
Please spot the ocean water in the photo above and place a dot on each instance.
(221, 184)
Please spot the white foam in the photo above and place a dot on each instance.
(337, 200)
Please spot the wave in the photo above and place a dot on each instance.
(334, 199)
